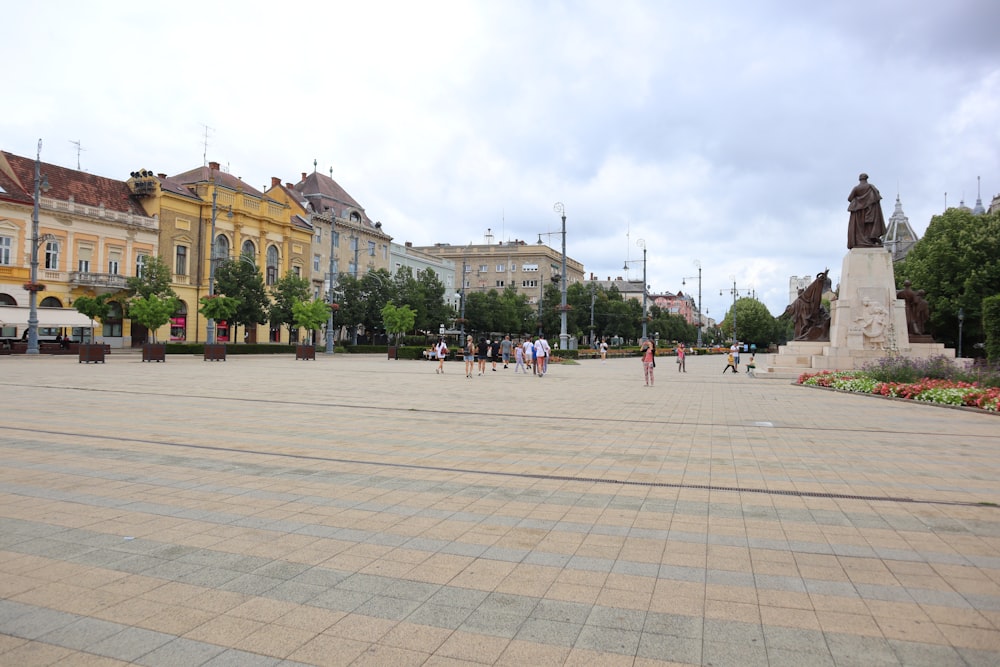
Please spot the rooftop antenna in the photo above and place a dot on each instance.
(79, 149)
(204, 153)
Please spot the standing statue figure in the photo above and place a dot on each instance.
(909, 298)
(921, 313)
(867, 225)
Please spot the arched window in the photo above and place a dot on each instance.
(7, 300)
(272, 265)
(221, 249)
(355, 216)
(50, 302)
(249, 251)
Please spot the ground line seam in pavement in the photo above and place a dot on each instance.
(522, 475)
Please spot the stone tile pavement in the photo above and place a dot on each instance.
(358, 511)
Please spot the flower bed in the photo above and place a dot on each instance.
(942, 391)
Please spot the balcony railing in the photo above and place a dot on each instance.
(88, 279)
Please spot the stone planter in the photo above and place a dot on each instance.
(215, 352)
(305, 352)
(91, 353)
(154, 352)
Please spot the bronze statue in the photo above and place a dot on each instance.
(812, 322)
(866, 226)
(918, 311)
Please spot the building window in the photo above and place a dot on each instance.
(5, 243)
(272, 265)
(316, 262)
(385, 251)
(181, 260)
(297, 270)
(501, 268)
(513, 268)
(468, 268)
(140, 264)
(336, 238)
(178, 322)
(319, 234)
(113, 267)
(113, 322)
(529, 267)
(52, 255)
(371, 248)
(483, 268)
(248, 249)
(83, 266)
(499, 283)
(529, 283)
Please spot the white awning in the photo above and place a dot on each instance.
(11, 316)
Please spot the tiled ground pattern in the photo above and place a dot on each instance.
(357, 511)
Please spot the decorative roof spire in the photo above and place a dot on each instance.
(978, 209)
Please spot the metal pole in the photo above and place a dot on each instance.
(644, 290)
(32, 294)
(593, 297)
(563, 334)
(734, 311)
(462, 297)
(329, 320)
(961, 321)
(210, 327)
(700, 323)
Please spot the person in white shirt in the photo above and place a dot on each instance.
(442, 352)
(542, 350)
(604, 351)
(529, 350)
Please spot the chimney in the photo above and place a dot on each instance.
(161, 175)
(289, 186)
(275, 182)
(214, 166)
(409, 244)
(303, 175)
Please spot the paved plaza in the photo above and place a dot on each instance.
(359, 511)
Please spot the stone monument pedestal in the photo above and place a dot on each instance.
(867, 322)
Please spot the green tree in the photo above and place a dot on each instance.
(754, 323)
(310, 315)
(94, 307)
(218, 307)
(352, 306)
(154, 280)
(286, 292)
(957, 263)
(377, 289)
(397, 320)
(242, 281)
(991, 324)
(152, 311)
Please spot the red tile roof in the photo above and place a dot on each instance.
(69, 185)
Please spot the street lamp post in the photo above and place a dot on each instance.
(961, 321)
(735, 292)
(329, 320)
(210, 326)
(35, 241)
(642, 244)
(563, 335)
(462, 304)
(698, 264)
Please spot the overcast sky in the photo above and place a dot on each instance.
(724, 132)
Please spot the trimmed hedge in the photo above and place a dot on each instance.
(236, 348)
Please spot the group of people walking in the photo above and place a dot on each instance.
(533, 353)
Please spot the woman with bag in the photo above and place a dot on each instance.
(648, 352)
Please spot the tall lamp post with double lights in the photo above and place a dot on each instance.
(735, 291)
(41, 183)
(642, 244)
(698, 264)
(212, 257)
(329, 287)
(563, 335)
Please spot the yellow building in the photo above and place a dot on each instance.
(249, 225)
(92, 235)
